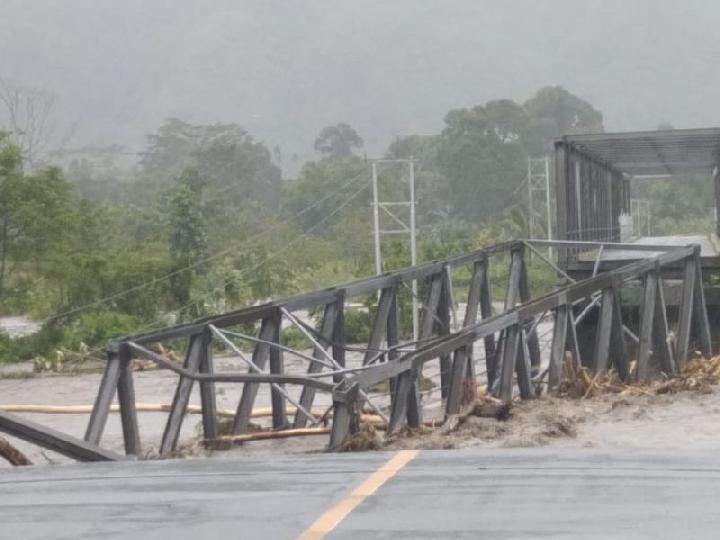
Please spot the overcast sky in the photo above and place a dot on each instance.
(284, 69)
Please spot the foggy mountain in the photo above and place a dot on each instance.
(283, 69)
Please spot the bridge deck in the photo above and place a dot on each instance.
(583, 265)
(708, 247)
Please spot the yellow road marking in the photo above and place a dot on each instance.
(332, 518)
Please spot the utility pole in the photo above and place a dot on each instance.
(641, 215)
(376, 220)
(402, 224)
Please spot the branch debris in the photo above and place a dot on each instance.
(699, 375)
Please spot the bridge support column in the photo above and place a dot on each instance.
(106, 393)
(126, 399)
(182, 397)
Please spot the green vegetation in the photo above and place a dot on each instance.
(690, 213)
(204, 222)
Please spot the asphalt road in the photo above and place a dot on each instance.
(498, 494)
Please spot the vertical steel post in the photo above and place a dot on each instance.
(562, 204)
(578, 201)
(376, 220)
(531, 214)
(126, 400)
(547, 204)
(413, 251)
(106, 393)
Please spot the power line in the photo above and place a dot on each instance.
(270, 256)
(201, 261)
(255, 267)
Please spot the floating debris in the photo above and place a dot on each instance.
(698, 375)
(365, 438)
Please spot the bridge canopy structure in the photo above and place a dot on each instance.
(594, 172)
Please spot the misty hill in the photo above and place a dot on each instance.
(284, 69)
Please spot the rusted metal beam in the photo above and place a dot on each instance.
(260, 357)
(327, 329)
(700, 314)
(230, 377)
(558, 346)
(482, 268)
(126, 400)
(51, 439)
(509, 359)
(561, 196)
(277, 391)
(379, 327)
(661, 333)
(686, 313)
(442, 328)
(617, 339)
(603, 335)
(523, 368)
(207, 388)
(344, 416)
(104, 398)
(182, 397)
(392, 332)
(647, 323)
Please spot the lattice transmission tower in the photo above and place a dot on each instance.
(396, 217)
(539, 206)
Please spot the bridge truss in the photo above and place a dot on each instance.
(513, 364)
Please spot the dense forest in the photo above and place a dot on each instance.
(95, 243)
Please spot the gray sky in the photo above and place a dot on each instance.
(283, 69)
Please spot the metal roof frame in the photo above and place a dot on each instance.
(642, 153)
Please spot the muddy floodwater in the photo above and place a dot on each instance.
(687, 420)
(151, 386)
(18, 326)
(683, 420)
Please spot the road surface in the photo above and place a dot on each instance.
(474, 493)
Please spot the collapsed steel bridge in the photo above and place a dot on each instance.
(510, 350)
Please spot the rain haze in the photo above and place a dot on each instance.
(285, 69)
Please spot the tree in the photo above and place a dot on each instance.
(433, 200)
(25, 114)
(483, 150)
(338, 141)
(34, 210)
(313, 196)
(186, 235)
(481, 155)
(96, 171)
(506, 119)
(236, 169)
(10, 164)
(553, 112)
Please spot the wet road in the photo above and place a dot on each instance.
(474, 493)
